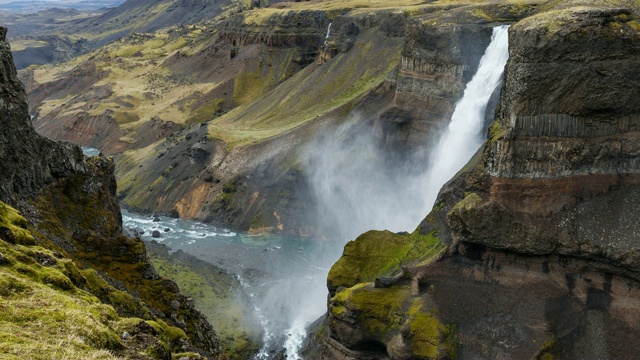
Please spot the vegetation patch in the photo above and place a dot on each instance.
(310, 93)
(215, 293)
(383, 313)
(379, 253)
(13, 227)
(46, 314)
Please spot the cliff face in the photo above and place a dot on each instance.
(71, 210)
(29, 164)
(541, 256)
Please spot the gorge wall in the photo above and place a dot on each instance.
(71, 233)
(530, 251)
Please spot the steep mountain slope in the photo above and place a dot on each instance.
(71, 238)
(538, 251)
(56, 35)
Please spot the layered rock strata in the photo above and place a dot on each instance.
(541, 257)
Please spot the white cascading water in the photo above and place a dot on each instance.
(465, 132)
(356, 192)
(326, 38)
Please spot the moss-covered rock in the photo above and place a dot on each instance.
(370, 319)
(381, 253)
(13, 227)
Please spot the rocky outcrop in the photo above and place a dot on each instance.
(71, 207)
(541, 254)
(29, 161)
(58, 49)
(304, 30)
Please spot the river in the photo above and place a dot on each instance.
(280, 274)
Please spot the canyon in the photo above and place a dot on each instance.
(319, 119)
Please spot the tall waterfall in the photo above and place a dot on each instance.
(358, 190)
(464, 135)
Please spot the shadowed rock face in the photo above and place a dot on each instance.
(71, 205)
(29, 160)
(542, 255)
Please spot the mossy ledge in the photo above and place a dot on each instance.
(381, 253)
(377, 309)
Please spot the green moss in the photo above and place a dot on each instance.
(11, 219)
(270, 70)
(469, 202)
(44, 316)
(496, 131)
(425, 333)
(379, 253)
(383, 313)
(187, 355)
(128, 51)
(207, 112)
(634, 25)
(170, 334)
(549, 350)
(379, 311)
(125, 117)
(55, 278)
(11, 285)
(248, 86)
(430, 338)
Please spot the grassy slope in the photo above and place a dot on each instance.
(142, 88)
(46, 314)
(312, 92)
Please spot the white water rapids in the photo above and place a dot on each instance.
(357, 192)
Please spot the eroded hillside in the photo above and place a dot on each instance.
(209, 121)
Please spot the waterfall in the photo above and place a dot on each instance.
(358, 189)
(465, 134)
(326, 38)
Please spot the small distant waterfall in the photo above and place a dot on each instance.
(326, 38)
(464, 135)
